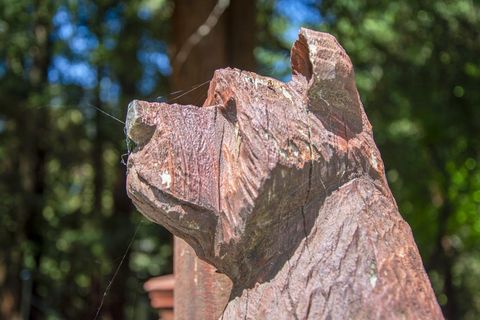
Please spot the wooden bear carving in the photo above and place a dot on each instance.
(280, 186)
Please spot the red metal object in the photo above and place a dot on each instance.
(160, 291)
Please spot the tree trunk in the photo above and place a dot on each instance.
(280, 186)
(200, 292)
(36, 153)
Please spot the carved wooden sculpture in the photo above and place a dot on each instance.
(280, 186)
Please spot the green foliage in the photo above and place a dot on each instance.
(66, 221)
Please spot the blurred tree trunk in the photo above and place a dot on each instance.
(36, 147)
(442, 257)
(97, 212)
(230, 43)
(97, 158)
(19, 287)
(119, 224)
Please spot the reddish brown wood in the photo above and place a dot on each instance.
(280, 186)
(230, 43)
(199, 280)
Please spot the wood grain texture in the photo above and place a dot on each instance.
(280, 186)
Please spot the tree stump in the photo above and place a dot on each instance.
(281, 187)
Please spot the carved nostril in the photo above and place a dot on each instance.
(137, 129)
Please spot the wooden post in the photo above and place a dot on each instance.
(280, 186)
(230, 42)
(200, 280)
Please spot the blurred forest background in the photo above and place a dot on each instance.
(64, 216)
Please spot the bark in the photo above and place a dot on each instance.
(281, 187)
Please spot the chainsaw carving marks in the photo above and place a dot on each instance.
(281, 187)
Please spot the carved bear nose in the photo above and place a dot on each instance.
(137, 126)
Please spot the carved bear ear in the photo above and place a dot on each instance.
(300, 58)
(333, 97)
